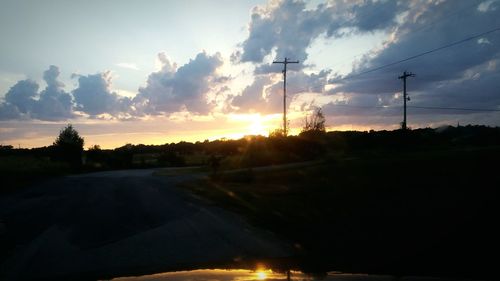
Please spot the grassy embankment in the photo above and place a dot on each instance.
(426, 212)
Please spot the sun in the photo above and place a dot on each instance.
(256, 127)
(261, 275)
(255, 123)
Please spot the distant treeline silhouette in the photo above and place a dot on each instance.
(254, 151)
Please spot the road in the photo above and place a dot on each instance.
(116, 224)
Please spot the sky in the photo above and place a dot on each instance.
(156, 72)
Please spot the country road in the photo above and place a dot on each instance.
(119, 223)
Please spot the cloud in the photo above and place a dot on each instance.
(373, 15)
(195, 87)
(464, 75)
(459, 76)
(54, 103)
(265, 94)
(9, 112)
(287, 28)
(94, 95)
(488, 5)
(173, 89)
(24, 101)
(22, 95)
(252, 97)
(132, 66)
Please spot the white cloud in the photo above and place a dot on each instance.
(487, 6)
(132, 66)
(185, 88)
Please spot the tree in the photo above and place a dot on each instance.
(277, 133)
(315, 122)
(68, 146)
(95, 155)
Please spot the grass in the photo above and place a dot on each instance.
(20, 171)
(420, 212)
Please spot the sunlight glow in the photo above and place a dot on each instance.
(257, 128)
(261, 275)
(257, 124)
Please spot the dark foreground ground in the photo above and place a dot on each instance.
(425, 212)
(421, 212)
(120, 223)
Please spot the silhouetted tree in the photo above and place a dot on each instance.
(277, 133)
(6, 147)
(68, 146)
(95, 147)
(95, 155)
(315, 122)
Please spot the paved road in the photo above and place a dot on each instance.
(118, 223)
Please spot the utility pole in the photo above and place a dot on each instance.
(285, 62)
(405, 97)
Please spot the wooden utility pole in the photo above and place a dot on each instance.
(285, 62)
(405, 97)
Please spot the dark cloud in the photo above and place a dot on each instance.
(94, 95)
(464, 75)
(185, 88)
(50, 76)
(24, 101)
(459, 76)
(9, 112)
(288, 28)
(54, 103)
(365, 106)
(22, 95)
(285, 27)
(374, 15)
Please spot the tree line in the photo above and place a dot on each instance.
(314, 142)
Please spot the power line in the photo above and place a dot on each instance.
(422, 27)
(456, 108)
(419, 107)
(362, 106)
(424, 53)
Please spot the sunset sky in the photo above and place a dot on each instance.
(155, 72)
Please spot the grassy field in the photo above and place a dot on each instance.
(426, 212)
(21, 171)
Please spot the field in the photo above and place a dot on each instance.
(420, 212)
(20, 171)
